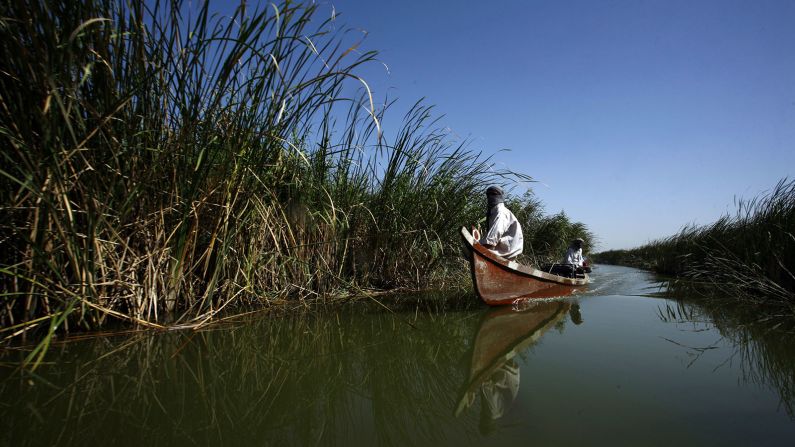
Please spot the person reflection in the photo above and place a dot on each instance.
(574, 314)
(503, 334)
(497, 394)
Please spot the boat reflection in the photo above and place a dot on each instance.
(504, 333)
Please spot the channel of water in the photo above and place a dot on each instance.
(614, 365)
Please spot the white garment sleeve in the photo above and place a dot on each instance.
(496, 230)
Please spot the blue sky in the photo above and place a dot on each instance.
(635, 117)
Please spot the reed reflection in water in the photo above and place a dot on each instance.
(345, 376)
(342, 376)
(613, 365)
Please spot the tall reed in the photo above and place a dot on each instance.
(547, 237)
(161, 161)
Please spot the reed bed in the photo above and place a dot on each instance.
(161, 160)
(547, 236)
(748, 258)
(163, 164)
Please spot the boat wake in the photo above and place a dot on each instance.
(524, 304)
(615, 280)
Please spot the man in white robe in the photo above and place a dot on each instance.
(574, 253)
(503, 235)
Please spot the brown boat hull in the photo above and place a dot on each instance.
(498, 281)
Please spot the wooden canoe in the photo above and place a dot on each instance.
(502, 335)
(499, 281)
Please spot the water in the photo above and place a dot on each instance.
(611, 366)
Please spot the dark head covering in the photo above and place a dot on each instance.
(493, 189)
(494, 197)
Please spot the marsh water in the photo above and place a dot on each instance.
(614, 365)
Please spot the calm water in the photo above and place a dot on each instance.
(612, 366)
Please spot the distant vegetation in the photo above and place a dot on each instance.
(547, 237)
(748, 257)
(164, 162)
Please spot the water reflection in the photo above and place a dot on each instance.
(764, 351)
(430, 372)
(503, 334)
(348, 377)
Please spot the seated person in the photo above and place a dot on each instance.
(503, 235)
(574, 253)
(574, 262)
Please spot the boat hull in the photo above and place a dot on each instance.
(498, 281)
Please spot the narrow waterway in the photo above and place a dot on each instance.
(614, 365)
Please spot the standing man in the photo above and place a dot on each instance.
(503, 235)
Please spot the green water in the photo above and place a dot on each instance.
(611, 366)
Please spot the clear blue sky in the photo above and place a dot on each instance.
(636, 117)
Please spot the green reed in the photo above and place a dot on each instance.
(162, 162)
(547, 237)
(748, 257)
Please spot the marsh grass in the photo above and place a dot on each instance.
(547, 237)
(165, 163)
(748, 257)
(165, 166)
